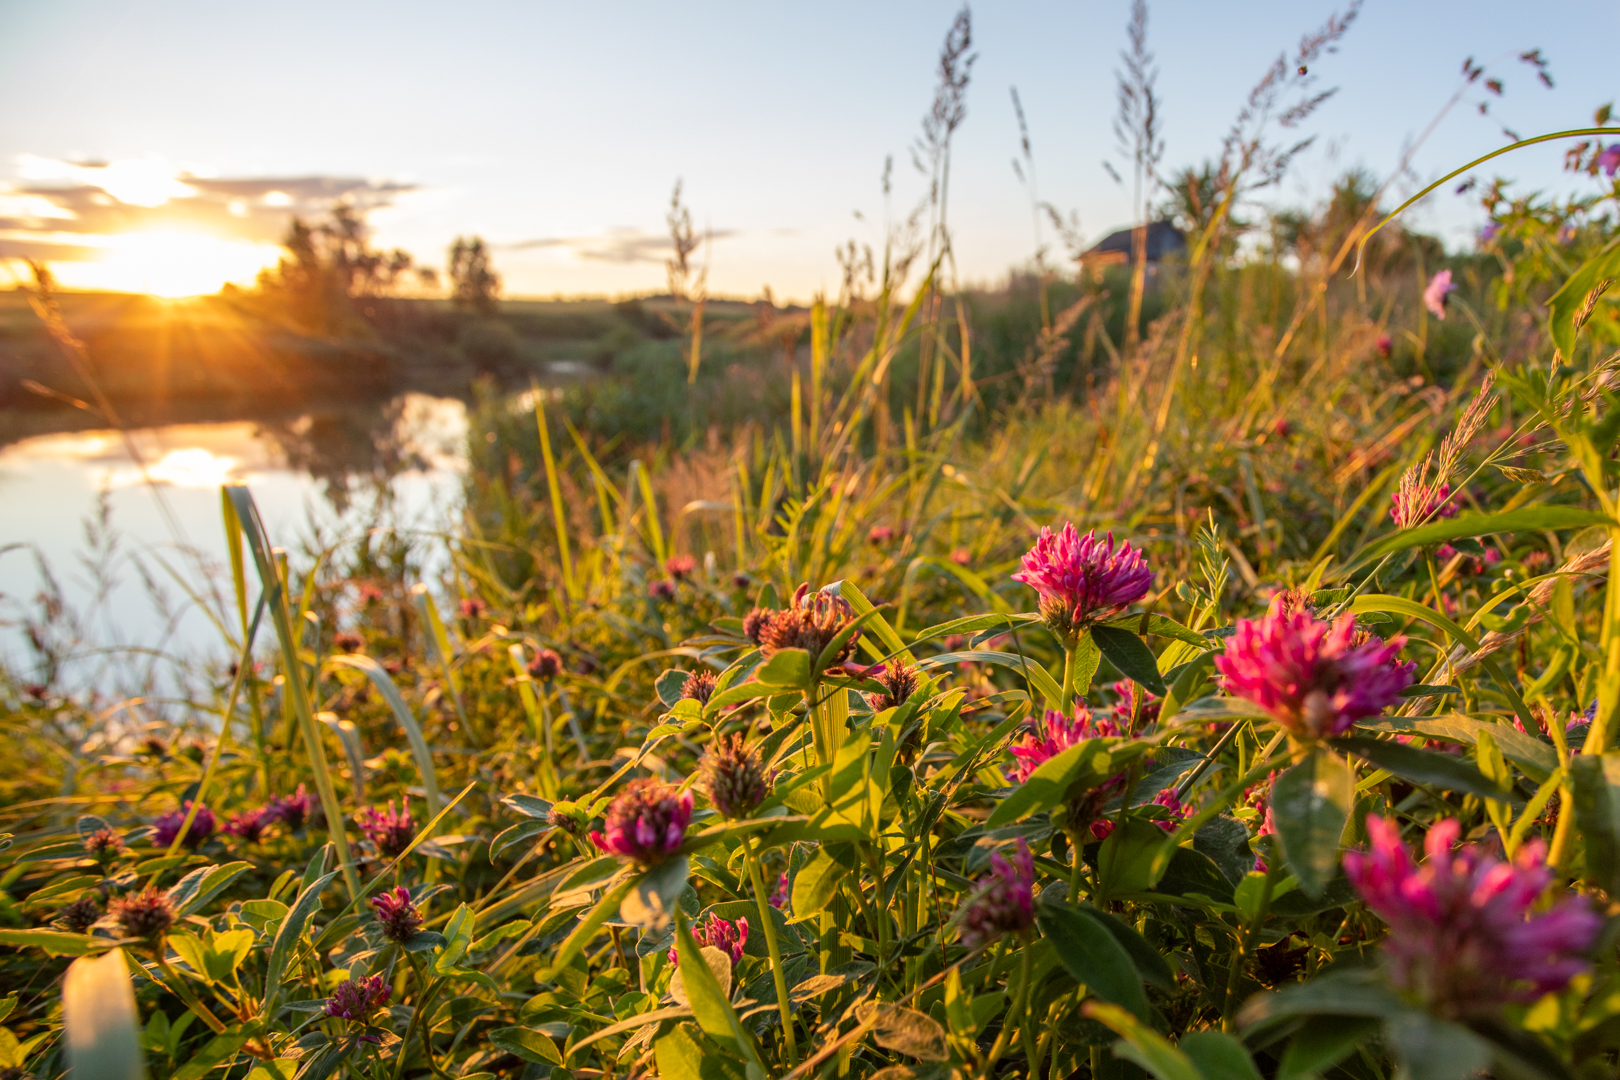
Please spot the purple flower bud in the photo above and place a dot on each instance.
(250, 824)
(392, 831)
(647, 823)
(810, 622)
(292, 810)
(728, 937)
(1003, 902)
(662, 589)
(167, 827)
(80, 915)
(546, 665)
(679, 566)
(733, 777)
(397, 917)
(1082, 579)
(754, 622)
(699, 686)
(779, 898)
(356, 999)
(146, 914)
(104, 845)
(1609, 160)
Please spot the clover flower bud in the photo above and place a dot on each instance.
(356, 999)
(146, 914)
(546, 665)
(647, 823)
(397, 917)
(810, 623)
(392, 831)
(104, 845)
(292, 810)
(728, 937)
(733, 777)
(754, 623)
(1003, 902)
(250, 824)
(167, 827)
(679, 566)
(80, 915)
(699, 686)
(1083, 579)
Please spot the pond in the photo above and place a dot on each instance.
(101, 527)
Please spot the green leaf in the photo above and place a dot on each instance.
(1430, 1049)
(1536, 758)
(54, 942)
(786, 669)
(1024, 666)
(1218, 1056)
(1311, 804)
(287, 935)
(651, 903)
(1349, 992)
(680, 1056)
(1075, 770)
(458, 936)
(1089, 952)
(1422, 766)
(1150, 963)
(895, 1027)
(1322, 1043)
(219, 1050)
(1525, 519)
(972, 624)
(1161, 626)
(1596, 780)
(817, 881)
(710, 1006)
(194, 890)
(520, 833)
(590, 924)
(1573, 302)
(1131, 656)
(1142, 1045)
(528, 1044)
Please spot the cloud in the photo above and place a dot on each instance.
(619, 246)
(60, 200)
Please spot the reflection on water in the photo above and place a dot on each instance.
(112, 583)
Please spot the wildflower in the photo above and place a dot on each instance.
(961, 556)
(1136, 703)
(733, 777)
(293, 810)
(699, 686)
(779, 898)
(104, 845)
(250, 824)
(810, 623)
(1385, 346)
(662, 589)
(155, 747)
(1081, 579)
(473, 608)
(1056, 733)
(1609, 160)
(754, 623)
(80, 915)
(349, 642)
(740, 580)
(1312, 676)
(397, 917)
(392, 831)
(728, 937)
(1292, 600)
(146, 914)
(1102, 828)
(1488, 232)
(356, 999)
(879, 535)
(1282, 428)
(1417, 500)
(899, 681)
(1003, 902)
(679, 566)
(647, 823)
(167, 827)
(1462, 938)
(369, 592)
(546, 665)
(1434, 297)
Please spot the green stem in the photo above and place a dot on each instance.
(1019, 1009)
(768, 924)
(1069, 651)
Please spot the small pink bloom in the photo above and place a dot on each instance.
(1313, 677)
(1417, 502)
(679, 566)
(167, 827)
(961, 556)
(1385, 346)
(662, 589)
(1609, 160)
(1054, 734)
(728, 937)
(647, 823)
(1434, 297)
(1003, 902)
(1103, 828)
(391, 830)
(473, 608)
(1463, 933)
(878, 535)
(1082, 579)
(292, 810)
(250, 824)
(356, 999)
(779, 898)
(396, 915)
(1131, 696)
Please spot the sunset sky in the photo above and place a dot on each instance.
(162, 146)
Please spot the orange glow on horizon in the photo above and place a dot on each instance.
(167, 264)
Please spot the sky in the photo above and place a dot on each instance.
(163, 146)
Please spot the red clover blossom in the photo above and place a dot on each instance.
(396, 915)
(392, 831)
(167, 827)
(1004, 900)
(1056, 733)
(356, 999)
(1083, 579)
(728, 937)
(647, 823)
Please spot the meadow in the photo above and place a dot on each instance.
(1208, 679)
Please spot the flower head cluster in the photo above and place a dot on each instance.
(1609, 160)
(397, 917)
(1082, 579)
(779, 898)
(146, 914)
(546, 665)
(1133, 697)
(728, 937)
(1313, 677)
(647, 823)
(899, 681)
(733, 777)
(754, 623)
(391, 830)
(250, 824)
(1054, 734)
(357, 999)
(1434, 297)
(699, 686)
(810, 623)
(878, 535)
(292, 810)
(473, 608)
(104, 845)
(80, 915)
(662, 589)
(167, 827)
(1004, 900)
(1462, 936)
(679, 566)
(1103, 828)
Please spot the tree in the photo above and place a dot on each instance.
(329, 266)
(473, 285)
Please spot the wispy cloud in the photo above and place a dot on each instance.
(618, 246)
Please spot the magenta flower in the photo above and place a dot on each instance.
(1004, 900)
(473, 608)
(391, 830)
(1434, 297)
(1314, 678)
(647, 823)
(1488, 232)
(250, 824)
(961, 556)
(878, 535)
(292, 810)
(546, 665)
(1462, 936)
(1385, 346)
(679, 566)
(1129, 695)
(1102, 828)
(167, 827)
(779, 898)
(397, 917)
(356, 999)
(1082, 579)
(146, 914)
(1054, 734)
(662, 589)
(1609, 160)
(728, 937)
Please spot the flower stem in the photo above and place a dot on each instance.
(769, 926)
(1069, 651)
(1018, 1009)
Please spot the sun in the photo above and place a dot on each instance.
(168, 264)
